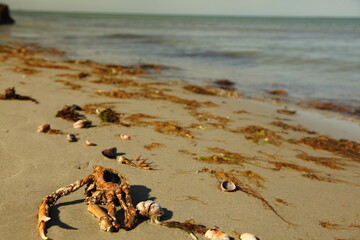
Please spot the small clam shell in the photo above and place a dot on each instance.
(45, 127)
(110, 152)
(71, 138)
(228, 186)
(247, 236)
(125, 136)
(82, 123)
(120, 159)
(88, 143)
(216, 234)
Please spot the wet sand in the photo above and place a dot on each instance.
(297, 174)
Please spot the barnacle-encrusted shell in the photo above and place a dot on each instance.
(228, 186)
(45, 127)
(82, 123)
(110, 152)
(71, 138)
(150, 209)
(216, 234)
(125, 136)
(247, 236)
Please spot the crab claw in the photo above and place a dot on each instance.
(43, 218)
(103, 218)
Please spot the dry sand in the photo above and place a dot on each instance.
(280, 195)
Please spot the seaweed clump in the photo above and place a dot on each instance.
(342, 147)
(171, 128)
(109, 115)
(10, 94)
(333, 163)
(257, 134)
(68, 113)
(212, 91)
(222, 156)
(297, 128)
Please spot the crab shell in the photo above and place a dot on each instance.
(216, 234)
(150, 209)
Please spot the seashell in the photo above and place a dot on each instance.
(248, 236)
(110, 152)
(45, 127)
(125, 136)
(150, 209)
(71, 138)
(228, 186)
(99, 110)
(88, 143)
(120, 159)
(82, 123)
(216, 234)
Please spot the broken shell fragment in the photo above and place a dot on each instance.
(88, 143)
(228, 186)
(83, 123)
(45, 127)
(71, 138)
(150, 209)
(110, 152)
(125, 136)
(216, 234)
(248, 236)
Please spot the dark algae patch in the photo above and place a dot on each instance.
(10, 94)
(109, 115)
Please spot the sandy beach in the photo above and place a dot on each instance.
(296, 170)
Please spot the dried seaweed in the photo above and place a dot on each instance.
(254, 178)
(282, 201)
(317, 177)
(333, 107)
(280, 165)
(212, 91)
(225, 176)
(342, 147)
(278, 92)
(27, 71)
(151, 146)
(188, 226)
(68, 113)
(286, 111)
(219, 159)
(335, 226)
(136, 119)
(257, 134)
(80, 75)
(297, 128)
(10, 94)
(171, 128)
(43, 63)
(72, 86)
(329, 162)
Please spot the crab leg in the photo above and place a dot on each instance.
(111, 207)
(129, 209)
(43, 215)
(103, 218)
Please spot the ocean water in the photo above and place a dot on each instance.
(307, 57)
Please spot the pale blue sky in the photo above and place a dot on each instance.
(319, 8)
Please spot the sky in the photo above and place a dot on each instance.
(307, 8)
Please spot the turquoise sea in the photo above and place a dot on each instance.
(310, 58)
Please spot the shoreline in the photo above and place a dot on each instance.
(296, 173)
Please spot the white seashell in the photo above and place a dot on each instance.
(216, 234)
(82, 123)
(120, 159)
(110, 152)
(150, 209)
(228, 186)
(125, 136)
(248, 236)
(71, 138)
(88, 143)
(45, 127)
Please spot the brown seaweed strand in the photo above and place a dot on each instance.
(242, 187)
